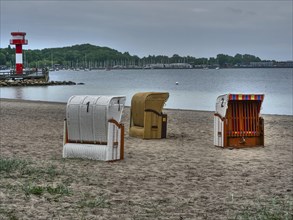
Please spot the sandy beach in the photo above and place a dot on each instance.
(182, 177)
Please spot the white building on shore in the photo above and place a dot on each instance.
(168, 66)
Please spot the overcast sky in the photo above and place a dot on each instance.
(196, 28)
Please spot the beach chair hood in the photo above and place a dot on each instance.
(146, 101)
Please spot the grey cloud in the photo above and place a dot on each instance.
(196, 28)
(235, 10)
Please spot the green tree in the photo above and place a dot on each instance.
(2, 59)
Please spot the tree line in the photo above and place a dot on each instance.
(90, 56)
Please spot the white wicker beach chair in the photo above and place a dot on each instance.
(92, 128)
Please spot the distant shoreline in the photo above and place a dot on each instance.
(157, 68)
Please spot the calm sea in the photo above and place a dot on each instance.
(197, 89)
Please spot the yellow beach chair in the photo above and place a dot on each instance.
(146, 118)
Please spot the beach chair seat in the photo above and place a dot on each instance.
(146, 118)
(237, 121)
(92, 128)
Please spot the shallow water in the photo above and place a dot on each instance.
(197, 89)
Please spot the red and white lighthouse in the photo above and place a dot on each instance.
(18, 39)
